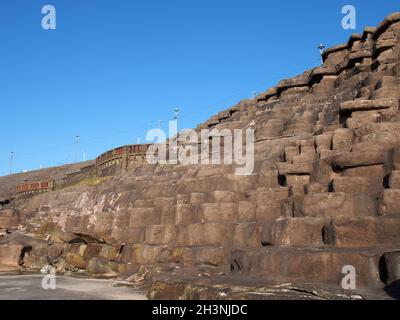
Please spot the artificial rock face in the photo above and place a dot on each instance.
(323, 195)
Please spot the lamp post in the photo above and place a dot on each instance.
(321, 48)
(176, 113)
(253, 94)
(76, 148)
(11, 161)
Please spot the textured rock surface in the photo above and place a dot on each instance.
(323, 195)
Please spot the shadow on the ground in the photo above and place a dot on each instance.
(393, 289)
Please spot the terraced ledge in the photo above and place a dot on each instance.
(365, 105)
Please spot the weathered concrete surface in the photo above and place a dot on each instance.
(29, 287)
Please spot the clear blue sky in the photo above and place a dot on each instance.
(112, 68)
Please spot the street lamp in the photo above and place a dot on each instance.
(76, 148)
(321, 48)
(176, 113)
(11, 161)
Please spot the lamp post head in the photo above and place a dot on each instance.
(321, 47)
(176, 113)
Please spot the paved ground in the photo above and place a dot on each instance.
(29, 287)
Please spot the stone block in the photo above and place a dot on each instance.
(160, 235)
(247, 211)
(185, 214)
(364, 232)
(141, 217)
(218, 212)
(389, 203)
(342, 140)
(371, 186)
(217, 256)
(205, 234)
(359, 105)
(394, 180)
(335, 204)
(298, 232)
(247, 235)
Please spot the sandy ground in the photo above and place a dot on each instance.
(29, 287)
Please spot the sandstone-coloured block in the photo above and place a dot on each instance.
(211, 256)
(324, 141)
(160, 235)
(143, 204)
(316, 187)
(10, 256)
(103, 225)
(378, 171)
(76, 260)
(268, 179)
(394, 181)
(198, 198)
(298, 232)
(129, 235)
(143, 254)
(323, 266)
(109, 252)
(92, 250)
(291, 152)
(362, 158)
(389, 91)
(301, 168)
(342, 140)
(182, 255)
(204, 234)
(143, 217)
(247, 211)
(185, 214)
(9, 222)
(269, 211)
(247, 235)
(271, 194)
(389, 203)
(369, 185)
(224, 196)
(395, 158)
(297, 183)
(363, 232)
(358, 105)
(101, 266)
(218, 212)
(335, 204)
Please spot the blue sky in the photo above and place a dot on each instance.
(113, 68)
